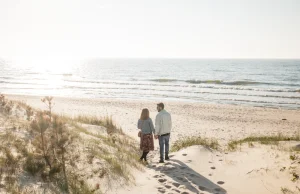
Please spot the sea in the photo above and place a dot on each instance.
(271, 83)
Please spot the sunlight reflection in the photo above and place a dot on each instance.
(55, 65)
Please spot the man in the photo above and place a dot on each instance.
(163, 125)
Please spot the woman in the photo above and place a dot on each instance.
(146, 127)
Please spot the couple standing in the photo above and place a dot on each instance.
(163, 125)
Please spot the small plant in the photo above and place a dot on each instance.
(285, 190)
(33, 165)
(48, 102)
(293, 157)
(282, 169)
(190, 141)
(29, 112)
(106, 122)
(267, 140)
(5, 105)
(295, 176)
(250, 144)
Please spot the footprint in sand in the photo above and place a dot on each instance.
(220, 182)
(220, 160)
(209, 174)
(184, 154)
(210, 162)
(213, 168)
(185, 193)
(176, 184)
(161, 191)
(156, 176)
(218, 189)
(168, 186)
(162, 180)
(202, 188)
(176, 190)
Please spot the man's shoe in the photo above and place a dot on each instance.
(161, 161)
(167, 158)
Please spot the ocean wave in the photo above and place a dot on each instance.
(5, 77)
(204, 81)
(137, 89)
(164, 80)
(240, 83)
(260, 101)
(217, 87)
(227, 83)
(20, 83)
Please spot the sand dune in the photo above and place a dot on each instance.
(250, 169)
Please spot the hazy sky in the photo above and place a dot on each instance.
(74, 29)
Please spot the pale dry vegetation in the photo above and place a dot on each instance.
(41, 152)
(194, 140)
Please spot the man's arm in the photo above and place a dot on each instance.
(157, 124)
(170, 122)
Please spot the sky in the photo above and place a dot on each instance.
(53, 30)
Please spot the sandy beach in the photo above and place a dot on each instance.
(224, 122)
(197, 169)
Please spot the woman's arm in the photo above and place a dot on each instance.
(152, 126)
(139, 124)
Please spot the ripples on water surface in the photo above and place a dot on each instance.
(271, 83)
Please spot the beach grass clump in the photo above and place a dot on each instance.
(266, 140)
(194, 140)
(285, 190)
(106, 122)
(6, 106)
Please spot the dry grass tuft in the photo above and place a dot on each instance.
(106, 122)
(191, 141)
(267, 140)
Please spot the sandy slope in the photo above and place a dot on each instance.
(196, 169)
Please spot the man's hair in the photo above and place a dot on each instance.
(161, 105)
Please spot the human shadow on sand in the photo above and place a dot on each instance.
(184, 177)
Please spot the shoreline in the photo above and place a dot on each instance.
(224, 122)
(176, 100)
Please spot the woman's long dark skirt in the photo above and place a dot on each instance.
(147, 142)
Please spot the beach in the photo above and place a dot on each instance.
(224, 122)
(249, 170)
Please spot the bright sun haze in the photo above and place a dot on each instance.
(57, 32)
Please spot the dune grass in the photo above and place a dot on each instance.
(53, 155)
(267, 140)
(106, 122)
(285, 190)
(194, 140)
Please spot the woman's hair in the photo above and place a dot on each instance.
(145, 114)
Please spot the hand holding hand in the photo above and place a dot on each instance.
(156, 136)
